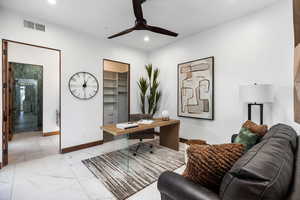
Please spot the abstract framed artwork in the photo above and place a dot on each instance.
(196, 89)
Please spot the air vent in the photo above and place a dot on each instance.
(40, 27)
(28, 24)
(36, 26)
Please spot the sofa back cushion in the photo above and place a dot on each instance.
(265, 171)
(283, 131)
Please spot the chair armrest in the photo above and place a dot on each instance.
(176, 187)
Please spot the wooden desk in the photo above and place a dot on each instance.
(169, 131)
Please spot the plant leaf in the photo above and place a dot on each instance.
(149, 72)
(143, 85)
(155, 75)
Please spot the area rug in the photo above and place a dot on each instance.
(144, 169)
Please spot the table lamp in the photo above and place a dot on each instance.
(257, 95)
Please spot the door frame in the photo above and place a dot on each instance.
(6, 90)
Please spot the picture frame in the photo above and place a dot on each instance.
(195, 89)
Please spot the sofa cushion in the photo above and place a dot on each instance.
(265, 171)
(260, 130)
(247, 138)
(207, 164)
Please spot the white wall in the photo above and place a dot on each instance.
(254, 49)
(81, 120)
(49, 59)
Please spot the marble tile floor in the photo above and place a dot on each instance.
(38, 172)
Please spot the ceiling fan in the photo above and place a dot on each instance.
(141, 23)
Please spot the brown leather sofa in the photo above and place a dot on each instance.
(268, 171)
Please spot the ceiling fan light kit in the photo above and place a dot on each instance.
(141, 23)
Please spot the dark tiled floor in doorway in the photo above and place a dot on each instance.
(26, 122)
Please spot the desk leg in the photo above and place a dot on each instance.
(169, 136)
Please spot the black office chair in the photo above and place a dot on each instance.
(147, 134)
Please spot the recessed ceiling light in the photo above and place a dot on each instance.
(52, 2)
(146, 39)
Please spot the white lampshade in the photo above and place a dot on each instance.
(257, 93)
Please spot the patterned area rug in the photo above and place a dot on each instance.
(144, 169)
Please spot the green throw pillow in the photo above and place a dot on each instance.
(247, 138)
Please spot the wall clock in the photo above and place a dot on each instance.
(83, 85)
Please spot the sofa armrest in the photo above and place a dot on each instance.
(176, 187)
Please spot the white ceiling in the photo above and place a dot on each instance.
(102, 18)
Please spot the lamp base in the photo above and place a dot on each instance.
(261, 106)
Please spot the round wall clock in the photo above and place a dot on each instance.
(83, 85)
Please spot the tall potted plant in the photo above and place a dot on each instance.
(149, 90)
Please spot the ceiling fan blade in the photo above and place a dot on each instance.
(138, 11)
(161, 31)
(122, 33)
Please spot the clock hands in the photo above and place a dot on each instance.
(85, 82)
(84, 85)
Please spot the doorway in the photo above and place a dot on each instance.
(116, 94)
(31, 99)
(27, 97)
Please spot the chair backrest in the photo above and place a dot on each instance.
(146, 134)
(137, 117)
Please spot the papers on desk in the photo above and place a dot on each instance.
(127, 125)
(134, 125)
(145, 121)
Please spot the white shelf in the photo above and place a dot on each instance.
(115, 97)
(110, 79)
